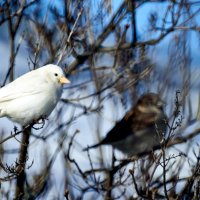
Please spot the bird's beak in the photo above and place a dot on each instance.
(64, 80)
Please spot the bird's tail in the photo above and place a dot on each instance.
(91, 147)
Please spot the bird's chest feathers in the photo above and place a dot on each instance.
(52, 92)
(143, 119)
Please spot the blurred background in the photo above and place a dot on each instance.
(113, 51)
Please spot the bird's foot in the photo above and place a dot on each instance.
(40, 121)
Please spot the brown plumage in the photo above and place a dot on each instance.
(140, 129)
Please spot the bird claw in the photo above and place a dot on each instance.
(40, 121)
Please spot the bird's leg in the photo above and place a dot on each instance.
(43, 118)
(40, 121)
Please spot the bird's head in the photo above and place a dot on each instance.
(56, 74)
(150, 103)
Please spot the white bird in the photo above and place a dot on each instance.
(33, 95)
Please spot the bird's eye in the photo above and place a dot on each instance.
(56, 74)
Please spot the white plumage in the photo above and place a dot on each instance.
(33, 95)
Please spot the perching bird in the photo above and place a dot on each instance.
(33, 95)
(140, 129)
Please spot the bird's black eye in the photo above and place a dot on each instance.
(56, 74)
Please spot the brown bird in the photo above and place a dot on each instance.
(141, 129)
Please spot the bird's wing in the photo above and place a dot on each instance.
(114, 135)
(8, 96)
(133, 121)
(23, 86)
(121, 130)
